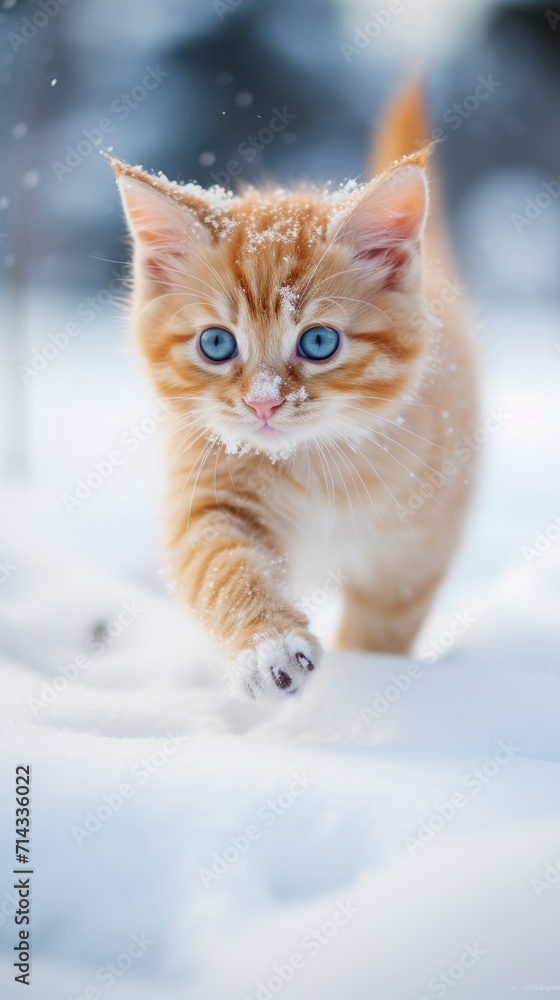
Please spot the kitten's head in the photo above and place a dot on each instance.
(271, 316)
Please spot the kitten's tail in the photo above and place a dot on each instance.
(404, 128)
(405, 131)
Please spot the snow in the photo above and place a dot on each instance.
(298, 395)
(264, 386)
(31, 178)
(329, 892)
(289, 299)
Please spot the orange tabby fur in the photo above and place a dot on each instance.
(254, 514)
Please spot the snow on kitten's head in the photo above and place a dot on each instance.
(269, 316)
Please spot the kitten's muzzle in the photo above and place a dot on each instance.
(264, 408)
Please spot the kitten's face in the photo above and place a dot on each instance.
(271, 319)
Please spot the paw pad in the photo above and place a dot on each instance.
(281, 679)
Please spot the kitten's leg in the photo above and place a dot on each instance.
(385, 607)
(226, 567)
(387, 600)
(385, 618)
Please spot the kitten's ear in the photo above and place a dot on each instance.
(385, 226)
(165, 232)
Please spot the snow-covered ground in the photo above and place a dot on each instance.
(393, 835)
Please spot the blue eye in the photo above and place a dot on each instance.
(218, 344)
(318, 343)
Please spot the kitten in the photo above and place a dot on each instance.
(318, 405)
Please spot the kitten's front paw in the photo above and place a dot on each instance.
(274, 667)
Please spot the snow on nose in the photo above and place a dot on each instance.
(264, 394)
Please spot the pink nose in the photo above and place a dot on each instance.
(264, 408)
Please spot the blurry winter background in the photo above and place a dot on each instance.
(105, 683)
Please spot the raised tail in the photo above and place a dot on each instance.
(404, 129)
(405, 132)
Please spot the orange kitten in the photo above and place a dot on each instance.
(316, 403)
